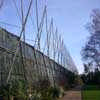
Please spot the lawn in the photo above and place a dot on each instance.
(91, 93)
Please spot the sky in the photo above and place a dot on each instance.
(70, 17)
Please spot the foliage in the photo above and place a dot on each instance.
(71, 79)
(4, 90)
(92, 77)
(54, 92)
(1, 3)
(20, 87)
(48, 93)
(91, 51)
(91, 87)
(42, 90)
(66, 87)
(86, 68)
(17, 89)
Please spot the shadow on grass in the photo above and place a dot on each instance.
(90, 87)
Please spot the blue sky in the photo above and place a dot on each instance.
(70, 16)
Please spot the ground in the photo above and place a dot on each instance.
(74, 94)
(89, 92)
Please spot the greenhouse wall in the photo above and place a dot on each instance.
(29, 64)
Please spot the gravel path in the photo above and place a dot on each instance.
(72, 95)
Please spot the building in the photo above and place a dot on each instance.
(29, 64)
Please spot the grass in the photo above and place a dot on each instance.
(91, 92)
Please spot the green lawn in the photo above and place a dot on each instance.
(91, 93)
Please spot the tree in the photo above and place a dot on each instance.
(91, 51)
(86, 68)
(1, 3)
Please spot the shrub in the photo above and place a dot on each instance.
(54, 92)
(16, 89)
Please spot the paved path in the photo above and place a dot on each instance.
(72, 95)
